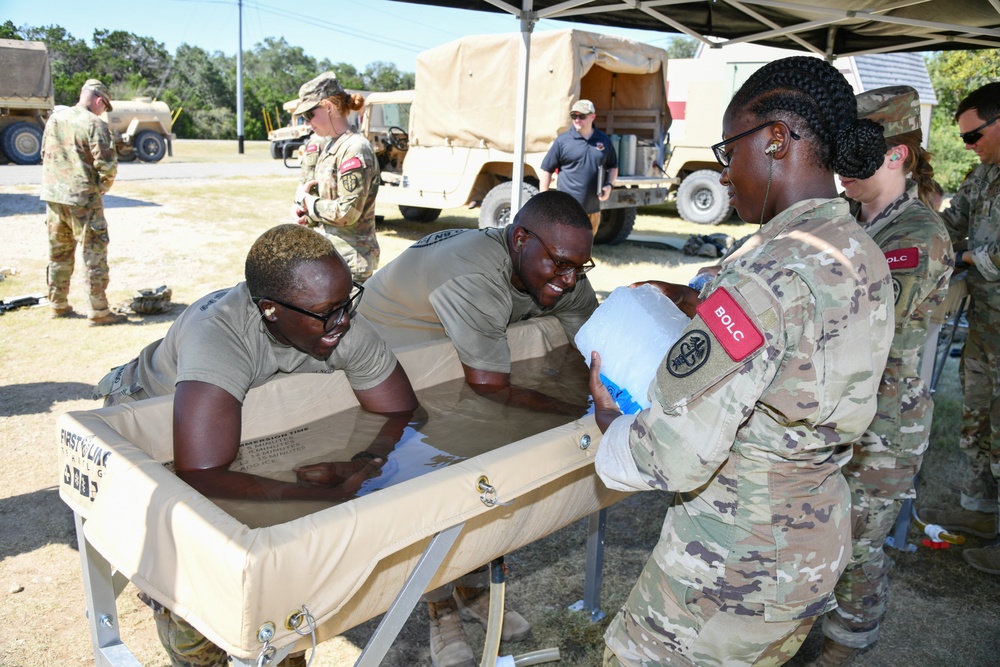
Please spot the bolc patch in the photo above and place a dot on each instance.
(689, 353)
(354, 163)
(735, 330)
(903, 258)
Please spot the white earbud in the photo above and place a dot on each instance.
(773, 148)
(268, 312)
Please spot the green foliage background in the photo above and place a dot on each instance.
(955, 74)
(200, 84)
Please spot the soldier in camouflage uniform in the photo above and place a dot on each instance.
(974, 217)
(755, 407)
(881, 472)
(79, 164)
(341, 196)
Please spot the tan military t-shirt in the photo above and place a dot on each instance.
(221, 340)
(456, 283)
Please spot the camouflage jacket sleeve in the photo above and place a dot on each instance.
(102, 147)
(701, 394)
(347, 178)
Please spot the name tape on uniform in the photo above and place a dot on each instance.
(733, 328)
(903, 258)
(354, 163)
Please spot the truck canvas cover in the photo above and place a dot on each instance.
(472, 78)
(27, 79)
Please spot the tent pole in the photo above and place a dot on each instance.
(527, 18)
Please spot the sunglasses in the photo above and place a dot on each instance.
(562, 268)
(332, 318)
(308, 115)
(972, 136)
(577, 116)
(720, 148)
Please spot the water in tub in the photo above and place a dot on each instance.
(459, 424)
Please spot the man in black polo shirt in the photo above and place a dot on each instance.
(579, 154)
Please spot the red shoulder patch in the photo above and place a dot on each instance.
(730, 324)
(312, 148)
(903, 258)
(354, 163)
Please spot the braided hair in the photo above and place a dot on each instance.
(274, 257)
(810, 90)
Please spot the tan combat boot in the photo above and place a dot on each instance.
(448, 645)
(967, 522)
(474, 605)
(834, 655)
(109, 319)
(986, 559)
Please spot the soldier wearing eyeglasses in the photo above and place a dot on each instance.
(973, 220)
(470, 285)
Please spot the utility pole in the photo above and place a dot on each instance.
(239, 84)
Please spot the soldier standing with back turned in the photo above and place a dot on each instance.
(79, 164)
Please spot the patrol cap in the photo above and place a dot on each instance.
(314, 91)
(895, 108)
(585, 107)
(99, 89)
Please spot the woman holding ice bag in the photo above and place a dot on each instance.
(756, 405)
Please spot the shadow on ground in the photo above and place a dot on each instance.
(30, 204)
(33, 520)
(33, 398)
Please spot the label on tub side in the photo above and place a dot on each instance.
(84, 462)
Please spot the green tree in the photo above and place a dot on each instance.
(681, 47)
(70, 58)
(955, 74)
(9, 31)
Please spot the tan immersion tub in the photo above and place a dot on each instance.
(347, 563)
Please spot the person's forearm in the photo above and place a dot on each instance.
(231, 485)
(528, 399)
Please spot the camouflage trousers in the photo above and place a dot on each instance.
(360, 253)
(186, 647)
(878, 488)
(68, 226)
(980, 439)
(664, 622)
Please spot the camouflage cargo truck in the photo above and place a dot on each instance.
(26, 99)
(450, 142)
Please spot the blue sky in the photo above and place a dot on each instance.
(355, 31)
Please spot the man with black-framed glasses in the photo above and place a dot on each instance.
(470, 285)
(973, 222)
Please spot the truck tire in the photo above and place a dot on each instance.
(149, 146)
(22, 142)
(276, 153)
(701, 198)
(419, 213)
(616, 225)
(495, 209)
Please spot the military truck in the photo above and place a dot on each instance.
(26, 99)
(285, 141)
(456, 146)
(141, 128)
